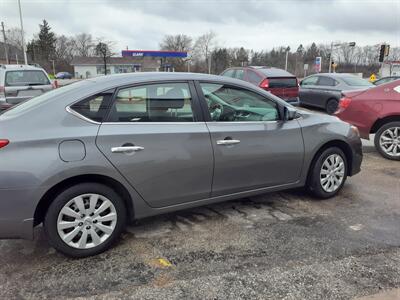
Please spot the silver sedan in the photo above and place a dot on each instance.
(87, 158)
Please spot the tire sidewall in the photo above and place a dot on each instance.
(51, 218)
(378, 136)
(331, 100)
(314, 183)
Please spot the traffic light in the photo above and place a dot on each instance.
(382, 53)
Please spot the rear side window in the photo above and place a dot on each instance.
(94, 107)
(326, 81)
(282, 82)
(228, 73)
(253, 77)
(26, 77)
(163, 102)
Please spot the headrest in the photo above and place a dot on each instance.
(174, 98)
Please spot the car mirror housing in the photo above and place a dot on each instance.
(290, 113)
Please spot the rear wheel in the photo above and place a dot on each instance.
(387, 140)
(331, 106)
(328, 173)
(85, 219)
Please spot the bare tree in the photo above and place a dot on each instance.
(84, 44)
(64, 49)
(204, 45)
(14, 37)
(179, 42)
(104, 49)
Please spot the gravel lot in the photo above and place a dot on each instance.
(280, 245)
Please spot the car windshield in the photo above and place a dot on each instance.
(356, 81)
(26, 77)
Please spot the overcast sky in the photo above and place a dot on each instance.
(251, 24)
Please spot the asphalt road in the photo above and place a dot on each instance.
(280, 245)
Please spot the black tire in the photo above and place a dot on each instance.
(51, 218)
(378, 135)
(314, 185)
(331, 106)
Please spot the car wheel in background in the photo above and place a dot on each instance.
(328, 173)
(387, 140)
(331, 106)
(85, 219)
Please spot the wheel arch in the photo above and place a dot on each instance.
(382, 121)
(49, 196)
(342, 145)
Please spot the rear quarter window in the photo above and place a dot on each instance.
(26, 77)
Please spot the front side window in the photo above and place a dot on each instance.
(163, 102)
(309, 81)
(239, 74)
(228, 73)
(234, 104)
(26, 77)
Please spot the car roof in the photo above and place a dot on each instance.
(335, 74)
(271, 71)
(19, 67)
(128, 78)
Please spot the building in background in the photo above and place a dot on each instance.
(131, 61)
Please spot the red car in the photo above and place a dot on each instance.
(376, 110)
(276, 81)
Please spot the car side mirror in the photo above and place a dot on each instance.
(289, 113)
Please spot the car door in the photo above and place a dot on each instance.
(308, 90)
(328, 89)
(253, 147)
(156, 139)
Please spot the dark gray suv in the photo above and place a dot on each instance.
(87, 158)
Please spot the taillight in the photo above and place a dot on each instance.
(4, 143)
(344, 102)
(264, 84)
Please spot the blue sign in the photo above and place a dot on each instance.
(161, 53)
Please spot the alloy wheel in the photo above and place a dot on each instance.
(389, 141)
(332, 173)
(86, 221)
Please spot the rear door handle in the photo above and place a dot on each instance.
(126, 149)
(228, 142)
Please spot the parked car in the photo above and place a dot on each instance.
(277, 81)
(63, 75)
(110, 149)
(385, 80)
(375, 111)
(21, 82)
(324, 90)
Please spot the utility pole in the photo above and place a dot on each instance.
(287, 54)
(5, 43)
(330, 58)
(22, 33)
(54, 69)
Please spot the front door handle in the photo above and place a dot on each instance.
(228, 142)
(126, 149)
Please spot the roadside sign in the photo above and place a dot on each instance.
(305, 67)
(372, 78)
(318, 64)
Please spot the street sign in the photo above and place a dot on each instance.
(318, 64)
(305, 67)
(372, 78)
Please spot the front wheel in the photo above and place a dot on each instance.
(85, 219)
(328, 173)
(387, 140)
